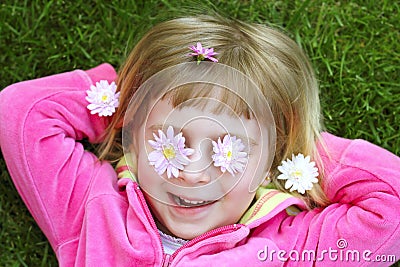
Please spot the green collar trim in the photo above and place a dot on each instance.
(267, 199)
(124, 170)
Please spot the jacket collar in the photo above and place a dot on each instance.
(270, 202)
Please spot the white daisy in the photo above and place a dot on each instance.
(299, 172)
(102, 98)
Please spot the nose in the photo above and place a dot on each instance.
(200, 177)
(198, 171)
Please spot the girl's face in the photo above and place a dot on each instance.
(202, 197)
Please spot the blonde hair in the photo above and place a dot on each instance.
(269, 57)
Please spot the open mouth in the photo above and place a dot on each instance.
(183, 202)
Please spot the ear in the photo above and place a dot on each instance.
(131, 159)
(263, 183)
(266, 181)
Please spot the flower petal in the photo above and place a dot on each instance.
(299, 172)
(229, 154)
(170, 153)
(102, 98)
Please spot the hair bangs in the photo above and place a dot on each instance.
(210, 97)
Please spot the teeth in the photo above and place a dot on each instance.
(189, 203)
(194, 202)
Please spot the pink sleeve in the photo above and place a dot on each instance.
(363, 183)
(40, 123)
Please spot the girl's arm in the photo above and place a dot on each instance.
(40, 123)
(363, 222)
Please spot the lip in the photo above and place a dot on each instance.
(187, 202)
(195, 209)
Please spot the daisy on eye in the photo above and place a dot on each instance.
(229, 154)
(169, 153)
(299, 172)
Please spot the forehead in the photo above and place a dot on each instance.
(200, 120)
(213, 98)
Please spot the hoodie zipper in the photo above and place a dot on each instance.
(167, 258)
(207, 235)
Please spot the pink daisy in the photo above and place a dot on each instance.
(229, 154)
(203, 53)
(169, 153)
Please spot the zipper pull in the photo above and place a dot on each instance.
(166, 260)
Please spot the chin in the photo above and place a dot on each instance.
(189, 233)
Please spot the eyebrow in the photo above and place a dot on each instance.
(157, 127)
(251, 141)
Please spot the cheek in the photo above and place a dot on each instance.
(237, 187)
(145, 171)
(142, 164)
(142, 149)
(237, 202)
(256, 171)
(152, 185)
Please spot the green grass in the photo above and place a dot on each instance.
(354, 46)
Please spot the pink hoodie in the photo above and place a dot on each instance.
(93, 219)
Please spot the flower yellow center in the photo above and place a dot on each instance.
(169, 152)
(104, 98)
(229, 154)
(297, 174)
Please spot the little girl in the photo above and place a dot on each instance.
(214, 126)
